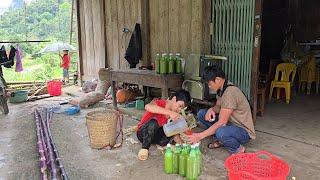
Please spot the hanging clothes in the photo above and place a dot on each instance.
(134, 50)
(3, 55)
(19, 66)
(12, 54)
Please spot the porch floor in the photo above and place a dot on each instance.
(287, 131)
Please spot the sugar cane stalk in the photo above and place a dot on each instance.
(43, 165)
(55, 150)
(50, 153)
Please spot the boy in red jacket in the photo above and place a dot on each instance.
(65, 66)
(150, 129)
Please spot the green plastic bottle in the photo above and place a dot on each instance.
(157, 63)
(163, 64)
(168, 160)
(199, 157)
(188, 148)
(183, 160)
(192, 162)
(176, 156)
(171, 64)
(178, 63)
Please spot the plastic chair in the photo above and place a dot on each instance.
(308, 74)
(286, 72)
(267, 78)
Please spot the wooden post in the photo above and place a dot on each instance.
(256, 56)
(80, 61)
(114, 98)
(145, 31)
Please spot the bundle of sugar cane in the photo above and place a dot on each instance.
(49, 156)
(56, 153)
(41, 145)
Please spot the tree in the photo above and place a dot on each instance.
(17, 4)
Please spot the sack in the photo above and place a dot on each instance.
(90, 99)
(89, 86)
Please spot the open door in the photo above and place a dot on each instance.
(236, 35)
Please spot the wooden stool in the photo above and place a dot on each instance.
(261, 100)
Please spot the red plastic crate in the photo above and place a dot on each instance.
(253, 166)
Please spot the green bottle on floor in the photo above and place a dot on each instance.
(188, 148)
(168, 160)
(192, 162)
(176, 155)
(183, 160)
(199, 158)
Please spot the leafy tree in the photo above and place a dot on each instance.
(42, 20)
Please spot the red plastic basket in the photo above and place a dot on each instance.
(261, 165)
(54, 88)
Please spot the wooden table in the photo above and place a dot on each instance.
(145, 78)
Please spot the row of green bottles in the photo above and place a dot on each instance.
(168, 160)
(168, 64)
(183, 161)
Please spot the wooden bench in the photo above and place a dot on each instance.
(146, 78)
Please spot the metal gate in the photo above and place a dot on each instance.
(233, 22)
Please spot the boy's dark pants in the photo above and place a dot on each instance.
(152, 133)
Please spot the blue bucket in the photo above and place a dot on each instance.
(19, 96)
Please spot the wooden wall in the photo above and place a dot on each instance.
(92, 43)
(179, 26)
(124, 14)
(167, 26)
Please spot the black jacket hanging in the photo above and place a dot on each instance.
(8, 62)
(3, 55)
(11, 56)
(134, 50)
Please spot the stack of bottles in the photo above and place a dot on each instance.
(185, 161)
(169, 64)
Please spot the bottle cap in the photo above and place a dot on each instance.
(178, 54)
(177, 144)
(168, 145)
(170, 54)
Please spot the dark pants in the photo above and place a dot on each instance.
(152, 133)
(230, 136)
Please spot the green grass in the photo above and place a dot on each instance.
(43, 68)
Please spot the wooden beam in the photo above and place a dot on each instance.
(174, 30)
(256, 56)
(145, 31)
(206, 21)
(80, 40)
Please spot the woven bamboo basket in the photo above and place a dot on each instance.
(102, 127)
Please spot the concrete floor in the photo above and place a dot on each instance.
(287, 131)
(292, 132)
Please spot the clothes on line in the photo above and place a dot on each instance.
(19, 66)
(9, 60)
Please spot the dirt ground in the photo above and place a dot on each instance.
(19, 157)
